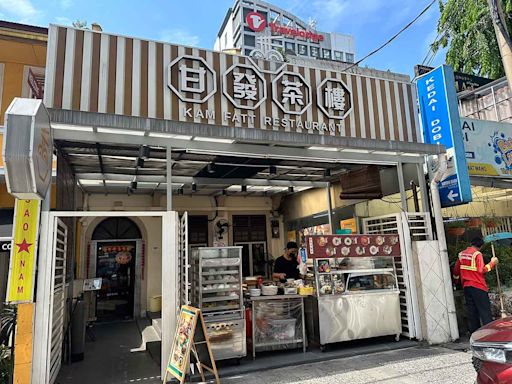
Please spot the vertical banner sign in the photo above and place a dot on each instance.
(441, 125)
(20, 288)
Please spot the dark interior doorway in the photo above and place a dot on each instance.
(116, 253)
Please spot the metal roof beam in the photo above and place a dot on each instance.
(347, 155)
(203, 180)
(143, 125)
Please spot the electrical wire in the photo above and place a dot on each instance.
(393, 37)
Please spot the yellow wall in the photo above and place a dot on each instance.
(15, 55)
(7, 201)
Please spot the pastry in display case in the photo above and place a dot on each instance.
(216, 282)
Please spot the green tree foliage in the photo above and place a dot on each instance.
(466, 28)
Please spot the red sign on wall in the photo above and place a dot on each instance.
(352, 246)
(255, 21)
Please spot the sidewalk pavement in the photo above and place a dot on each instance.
(412, 366)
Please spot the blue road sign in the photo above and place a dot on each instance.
(441, 125)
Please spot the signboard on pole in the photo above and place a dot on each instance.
(28, 149)
(441, 125)
(488, 147)
(20, 286)
(463, 81)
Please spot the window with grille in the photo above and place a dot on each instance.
(249, 228)
(197, 229)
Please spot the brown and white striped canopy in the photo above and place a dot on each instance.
(99, 72)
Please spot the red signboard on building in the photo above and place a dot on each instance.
(321, 247)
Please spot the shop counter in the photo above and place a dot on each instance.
(278, 323)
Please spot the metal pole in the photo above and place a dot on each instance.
(401, 186)
(415, 197)
(500, 291)
(443, 249)
(423, 188)
(169, 178)
(329, 206)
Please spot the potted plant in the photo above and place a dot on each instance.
(456, 228)
(492, 222)
(474, 222)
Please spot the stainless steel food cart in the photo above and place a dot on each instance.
(216, 281)
(357, 293)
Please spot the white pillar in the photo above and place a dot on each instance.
(443, 249)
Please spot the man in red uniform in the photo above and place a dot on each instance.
(471, 270)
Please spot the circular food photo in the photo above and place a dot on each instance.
(336, 241)
(123, 258)
(365, 240)
(345, 251)
(322, 241)
(360, 251)
(387, 249)
(330, 251)
(380, 240)
(394, 240)
(348, 241)
(374, 250)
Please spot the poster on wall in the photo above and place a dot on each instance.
(116, 268)
(322, 229)
(349, 224)
(488, 146)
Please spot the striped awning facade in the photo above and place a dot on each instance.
(99, 72)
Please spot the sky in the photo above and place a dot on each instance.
(196, 22)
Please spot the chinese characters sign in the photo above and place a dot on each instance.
(488, 147)
(176, 83)
(23, 253)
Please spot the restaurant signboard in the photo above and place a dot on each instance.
(164, 81)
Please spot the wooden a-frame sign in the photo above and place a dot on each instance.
(190, 338)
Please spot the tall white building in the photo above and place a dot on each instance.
(251, 23)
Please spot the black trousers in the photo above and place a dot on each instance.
(478, 306)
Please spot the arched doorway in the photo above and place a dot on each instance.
(116, 242)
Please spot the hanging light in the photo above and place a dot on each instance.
(327, 172)
(272, 170)
(180, 191)
(290, 189)
(194, 187)
(133, 185)
(209, 168)
(140, 162)
(244, 188)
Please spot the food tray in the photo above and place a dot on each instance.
(232, 262)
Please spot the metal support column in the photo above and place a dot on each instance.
(401, 185)
(329, 207)
(169, 178)
(423, 188)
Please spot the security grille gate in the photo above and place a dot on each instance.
(184, 265)
(57, 300)
(410, 227)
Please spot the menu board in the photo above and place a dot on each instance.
(182, 343)
(335, 246)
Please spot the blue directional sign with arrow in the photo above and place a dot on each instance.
(441, 125)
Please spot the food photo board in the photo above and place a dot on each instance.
(190, 337)
(337, 246)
